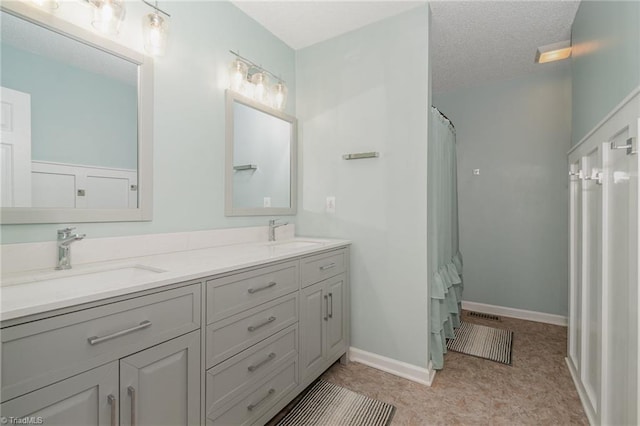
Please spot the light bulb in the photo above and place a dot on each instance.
(46, 4)
(237, 75)
(155, 29)
(279, 95)
(261, 81)
(108, 15)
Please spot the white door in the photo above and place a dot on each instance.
(575, 264)
(620, 272)
(591, 339)
(15, 149)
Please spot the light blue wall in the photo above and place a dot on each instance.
(368, 91)
(513, 216)
(189, 113)
(605, 60)
(73, 111)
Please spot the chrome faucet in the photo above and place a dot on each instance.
(65, 238)
(272, 228)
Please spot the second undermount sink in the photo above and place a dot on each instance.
(78, 276)
(293, 244)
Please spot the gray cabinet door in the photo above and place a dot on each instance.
(161, 385)
(90, 398)
(313, 316)
(336, 324)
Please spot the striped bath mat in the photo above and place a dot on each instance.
(485, 342)
(328, 404)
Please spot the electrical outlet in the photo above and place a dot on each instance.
(330, 205)
(476, 172)
(267, 202)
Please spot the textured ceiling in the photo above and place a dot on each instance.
(471, 41)
(478, 41)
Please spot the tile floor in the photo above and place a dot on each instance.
(536, 390)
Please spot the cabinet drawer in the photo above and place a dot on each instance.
(248, 408)
(230, 295)
(38, 353)
(321, 266)
(230, 378)
(232, 335)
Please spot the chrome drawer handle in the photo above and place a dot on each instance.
(254, 367)
(329, 266)
(255, 327)
(132, 394)
(114, 409)
(94, 340)
(255, 290)
(251, 407)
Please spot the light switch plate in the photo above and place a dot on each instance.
(267, 202)
(330, 205)
(476, 172)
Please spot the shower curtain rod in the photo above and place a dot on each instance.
(440, 112)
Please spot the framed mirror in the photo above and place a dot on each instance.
(77, 123)
(261, 159)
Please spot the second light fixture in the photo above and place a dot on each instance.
(252, 80)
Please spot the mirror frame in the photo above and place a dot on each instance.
(229, 209)
(144, 211)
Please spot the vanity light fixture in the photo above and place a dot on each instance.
(252, 80)
(155, 29)
(553, 52)
(108, 15)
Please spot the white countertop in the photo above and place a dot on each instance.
(35, 292)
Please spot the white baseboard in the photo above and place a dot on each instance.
(398, 368)
(582, 394)
(515, 313)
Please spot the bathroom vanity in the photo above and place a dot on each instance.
(221, 335)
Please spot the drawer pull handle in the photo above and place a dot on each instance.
(132, 394)
(254, 367)
(329, 266)
(255, 290)
(252, 407)
(94, 340)
(114, 409)
(331, 305)
(255, 327)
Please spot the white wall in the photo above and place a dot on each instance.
(368, 91)
(513, 216)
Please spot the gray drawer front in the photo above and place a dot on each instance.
(260, 398)
(230, 295)
(316, 268)
(230, 378)
(41, 352)
(235, 334)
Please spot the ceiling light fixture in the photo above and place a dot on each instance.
(553, 52)
(252, 80)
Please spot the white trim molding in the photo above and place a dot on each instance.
(407, 371)
(515, 313)
(582, 394)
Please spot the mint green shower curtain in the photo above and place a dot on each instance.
(445, 260)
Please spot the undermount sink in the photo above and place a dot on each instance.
(94, 276)
(293, 245)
